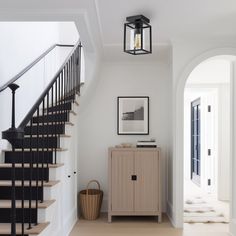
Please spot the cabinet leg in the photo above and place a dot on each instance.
(109, 218)
(159, 218)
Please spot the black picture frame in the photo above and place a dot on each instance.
(133, 115)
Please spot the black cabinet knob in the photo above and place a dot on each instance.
(134, 177)
(68, 176)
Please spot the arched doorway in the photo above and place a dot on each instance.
(207, 143)
(178, 141)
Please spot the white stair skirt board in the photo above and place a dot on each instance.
(200, 210)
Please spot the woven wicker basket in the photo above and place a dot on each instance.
(91, 201)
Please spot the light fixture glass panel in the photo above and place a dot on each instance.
(131, 46)
(146, 39)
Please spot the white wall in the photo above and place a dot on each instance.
(33, 38)
(20, 42)
(68, 33)
(98, 120)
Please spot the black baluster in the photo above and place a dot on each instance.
(77, 69)
(53, 108)
(13, 197)
(75, 65)
(65, 85)
(79, 66)
(63, 89)
(61, 112)
(42, 148)
(61, 96)
(30, 181)
(70, 74)
(56, 103)
(37, 168)
(73, 75)
(47, 133)
(23, 190)
(68, 79)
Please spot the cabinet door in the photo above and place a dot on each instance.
(146, 186)
(122, 167)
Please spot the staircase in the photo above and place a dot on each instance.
(27, 174)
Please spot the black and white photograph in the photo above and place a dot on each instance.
(133, 115)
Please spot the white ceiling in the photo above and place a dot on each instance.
(170, 19)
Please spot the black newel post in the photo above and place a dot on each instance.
(14, 136)
(13, 88)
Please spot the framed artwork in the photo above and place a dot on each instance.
(133, 115)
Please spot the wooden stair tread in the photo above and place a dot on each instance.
(50, 136)
(53, 123)
(37, 229)
(26, 165)
(8, 183)
(41, 205)
(58, 112)
(73, 112)
(35, 149)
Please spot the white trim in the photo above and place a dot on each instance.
(169, 212)
(178, 99)
(70, 222)
(232, 227)
(99, 21)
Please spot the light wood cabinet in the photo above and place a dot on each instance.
(134, 182)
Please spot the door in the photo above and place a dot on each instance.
(146, 186)
(122, 164)
(195, 141)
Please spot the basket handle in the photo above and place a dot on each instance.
(92, 181)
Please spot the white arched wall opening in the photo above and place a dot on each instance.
(178, 141)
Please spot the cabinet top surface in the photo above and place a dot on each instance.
(133, 149)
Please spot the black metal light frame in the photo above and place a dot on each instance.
(141, 22)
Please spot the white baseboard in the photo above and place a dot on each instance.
(232, 227)
(70, 222)
(169, 212)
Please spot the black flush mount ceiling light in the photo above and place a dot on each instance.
(137, 35)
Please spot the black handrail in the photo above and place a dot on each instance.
(40, 99)
(27, 68)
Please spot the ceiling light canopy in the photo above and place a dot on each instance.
(137, 35)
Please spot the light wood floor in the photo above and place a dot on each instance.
(145, 226)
